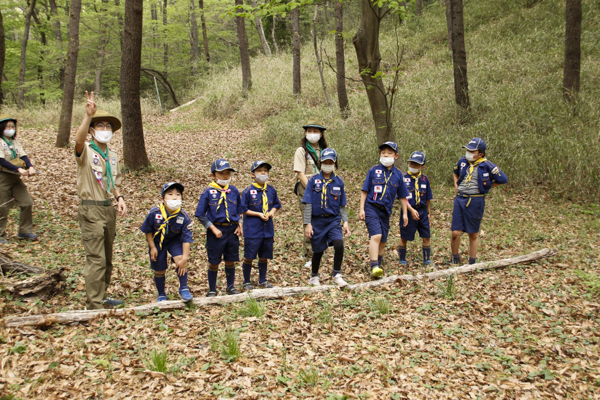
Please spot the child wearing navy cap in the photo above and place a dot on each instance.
(167, 230)
(259, 202)
(419, 208)
(219, 210)
(383, 185)
(325, 198)
(474, 176)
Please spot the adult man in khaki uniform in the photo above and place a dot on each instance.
(98, 179)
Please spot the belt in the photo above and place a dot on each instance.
(225, 223)
(96, 203)
(324, 215)
(377, 205)
(469, 196)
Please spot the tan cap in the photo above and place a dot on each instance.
(6, 117)
(314, 123)
(104, 116)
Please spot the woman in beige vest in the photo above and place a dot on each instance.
(306, 164)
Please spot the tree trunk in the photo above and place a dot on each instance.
(193, 38)
(204, 34)
(134, 148)
(366, 43)
(459, 54)
(153, 12)
(100, 64)
(28, 14)
(66, 110)
(243, 44)
(449, 23)
(261, 33)
(119, 22)
(297, 86)
(58, 37)
(40, 68)
(273, 35)
(419, 6)
(572, 50)
(319, 63)
(165, 44)
(2, 57)
(339, 58)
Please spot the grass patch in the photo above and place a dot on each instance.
(447, 289)
(591, 280)
(382, 306)
(252, 308)
(226, 342)
(157, 361)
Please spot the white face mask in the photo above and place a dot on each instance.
(222, 182)
(413, 170)
(9, 132)
(386, 161)
(173, 204)
(313, 137)
(262, 179)
(102, 136)
(328, 168)
(470, 157)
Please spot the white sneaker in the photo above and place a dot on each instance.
(308, 264)
(339, 281)
(314, 280)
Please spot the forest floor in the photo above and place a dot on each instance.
(527, 331)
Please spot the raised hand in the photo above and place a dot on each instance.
(90, 106)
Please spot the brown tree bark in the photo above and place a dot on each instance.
(2, 57)
(366, 43)
(459, 54)
(261, 33)
(244, 55)
(120, 23)
(59, 41)
(297, 85)
(193, 38)
(449, 23)
(572, 67)
(134, 148)
(66, 110)
(273, 35)
(204, 34)
(28, 13)
(317, 56)
(101, 55)
(42, 35)
(339, 57)
(165, 44)
(419, 4)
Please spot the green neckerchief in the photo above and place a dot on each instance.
(312, 151)
(11, 147)
(109, 178)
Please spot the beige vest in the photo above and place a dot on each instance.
(91, 174)
(16, 146)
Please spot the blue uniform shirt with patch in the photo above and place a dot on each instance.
(423, 186)
(208, 205)
(487, 174)
(336, 195)
(380, 193)
(252, 200)
(177, 227)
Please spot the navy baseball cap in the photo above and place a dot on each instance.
(219, 165)
(393, 146)
(329, 154)
(259, 163)
(418, 157)
(169, 185)
(476, 144)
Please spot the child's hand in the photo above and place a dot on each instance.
(216, 231)
(415, 214)
(153, 254)
(239, 231)
(405, 220)
(264, 217)
(181, 266)
(272, 213)
(308, 231)
(361, 214)
(347, 230)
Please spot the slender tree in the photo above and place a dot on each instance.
(243, 44)
(2, 57)
(318, 56)
(166, 42)
(261, 32)
(66, 110)
(572, 67)
(193, 38)
(134, 148)
(297, 85)
(41, 30)
(101, 54)
(59, 41)
(28, 13)
(204, 34)
(273, 39)
(339, 57)
(449, 23)
(459, 54)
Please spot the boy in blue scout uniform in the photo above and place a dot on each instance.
(383, 185)
(219, 210)
(259, 202)
(419, 208)
(167, 230)
(474, 176)
(325, 198)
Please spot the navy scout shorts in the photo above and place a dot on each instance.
(326, 230)
(174, 247)
(226, 248)
(467, 219)
(263, 247)
(377, 220)
(422, 225)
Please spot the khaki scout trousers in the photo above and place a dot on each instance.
(307, 250)
(97, 225)
(11, 186)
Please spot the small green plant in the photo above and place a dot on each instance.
(252, 308)
(310, 376)
(324, 316)
(18, 348)
(215, 338)
(231, 347)
(157, 361)
(591, 280)
(447, 289)
(382, 306)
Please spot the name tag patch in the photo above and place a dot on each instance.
(485, 174)
(423, 186)
(336, 188)
(378, 189)
(179, 220)
(113, 161)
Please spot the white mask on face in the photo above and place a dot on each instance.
(413, 170)
(222, 182)
(313, 137)
(102, 136)
(262, 179)
(173, 204)
(328, 168)
(9, 132)
(470, 157)
(386, 161)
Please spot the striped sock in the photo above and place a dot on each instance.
(426, 253)
(374, 264)
(230, 275)
(247, 270)
(212, 279)
(262, 272)
(472, 260)
(402, 253)
(380, 260)
(159, 281)
(456, 258)
(183, 280)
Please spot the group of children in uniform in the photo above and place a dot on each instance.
(221, 207)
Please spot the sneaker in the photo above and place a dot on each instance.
(377, 272)
(28, 236)
(265, 285)
(308, 264)
(426, 263)
(212, 293)
(232, 291)
(112, 302)
(314, 281)
(339, 281)
(403, 263)
(248, 286)
(162, 297)
(3, 241)
(185, 294)
(452, 261)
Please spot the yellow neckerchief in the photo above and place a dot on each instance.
(224, 191)
(265, 199)
(385, 183)
(324, 191)
(472, 168)
(164, 226)
(417, 194)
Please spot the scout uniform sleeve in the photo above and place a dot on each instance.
(148, 225)
(429, 194)
(498, 176)
(81, 157)
(402, 189)
(308, 192)
(202, 209)
(300, 160)
(115, 164)
(367, 185)
(343, 195)
(459, 165)
(276, 202)
(240, 209)
(19, 148)
(186, 233)
(244, 200)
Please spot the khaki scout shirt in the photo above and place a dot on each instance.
(16, 147)
(303, 162)
(90, 165)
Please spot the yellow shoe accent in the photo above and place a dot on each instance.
(376, 272)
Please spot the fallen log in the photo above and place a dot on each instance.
(262, 294)
(8, 266)
(42, 286)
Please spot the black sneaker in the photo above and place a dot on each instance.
(248, 286)
(212, 293)
(232, 291)
(28, 236)
(265, 285)
(112, 302)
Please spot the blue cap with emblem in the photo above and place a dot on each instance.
(220, 164)
(391, 145)
(476, 144)
(418, 157)
(169, 185)
(329, 154)
(259, 163)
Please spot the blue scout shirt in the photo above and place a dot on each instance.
(335, 195)
(423, 186)
(381, 193)
(252, 199)
(209, 208)
(487, 173)
(177, 227)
